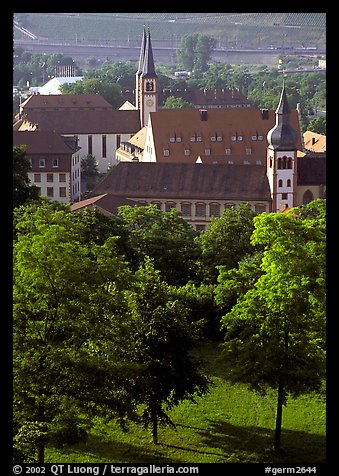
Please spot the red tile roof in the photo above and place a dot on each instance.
(216, 130)
(106, 202)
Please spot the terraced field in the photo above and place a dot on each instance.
(242, 29)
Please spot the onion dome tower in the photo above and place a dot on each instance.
(282, 158)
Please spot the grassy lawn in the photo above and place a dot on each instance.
(229, 425)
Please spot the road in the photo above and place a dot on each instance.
(125, 52)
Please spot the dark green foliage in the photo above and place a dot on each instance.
(275, 333)
(160, 345)
(226, 241)
(22, 190)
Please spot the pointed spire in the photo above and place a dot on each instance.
(148, 69)
(142, 52)
(283, 107)
(282, 136)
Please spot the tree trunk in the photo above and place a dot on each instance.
(155, 427)
(278, 421)
(41, 454)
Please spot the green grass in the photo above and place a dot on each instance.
(229, 425)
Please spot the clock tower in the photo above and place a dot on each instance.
(146, 81)
(282, 158)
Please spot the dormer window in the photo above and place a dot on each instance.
(42, 163)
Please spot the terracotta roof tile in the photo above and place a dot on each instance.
(216, 129)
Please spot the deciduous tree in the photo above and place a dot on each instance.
(275, 334)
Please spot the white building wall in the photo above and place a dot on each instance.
(97, 149)
(149, 154)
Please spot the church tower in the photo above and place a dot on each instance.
(146, 92)
(282, 158)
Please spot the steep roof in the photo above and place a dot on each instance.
(110, 121)
(186, 181)
(63, 101)
(105, 202)
(148, 70)
(283, 136)
(44, 142)
(314, 142)
(236, 129)
(311, 170)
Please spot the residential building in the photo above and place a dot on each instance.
(199, 191)
(99, 131)
(273, 178)
(54, 164)
(314, 142)
(210, 136)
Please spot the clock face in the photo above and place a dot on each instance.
(149, 102)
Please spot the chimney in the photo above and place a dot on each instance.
(264, 114)
(203, 114)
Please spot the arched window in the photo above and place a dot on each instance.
(288, 183)
(307, 197)
(280, 183)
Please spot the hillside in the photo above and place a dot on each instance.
(238, 29)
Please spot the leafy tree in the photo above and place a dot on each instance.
(165, 237)
(318, 125)
(226, 241)
(22, 190)
(195, 52)
(275, 334)
(67, 300)
(201, 307)
(159, 344)
(89, 171)
(109, 91)
(177, 103)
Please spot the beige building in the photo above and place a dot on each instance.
(55, 164)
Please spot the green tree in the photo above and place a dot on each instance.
(226, 241)
(318, 125)
(22, 190)
(195, 51)
(109, 91)
(165, 237)
(160, 344)
(177, 103)
(67, 300)
(275, 334)
(89, 171)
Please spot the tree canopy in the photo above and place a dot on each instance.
(275, 333)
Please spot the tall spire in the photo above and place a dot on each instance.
(282, 136)
(142, 53)
(148, 69)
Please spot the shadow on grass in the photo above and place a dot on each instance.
(255, 444)
(221, 440)
(97, 450)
